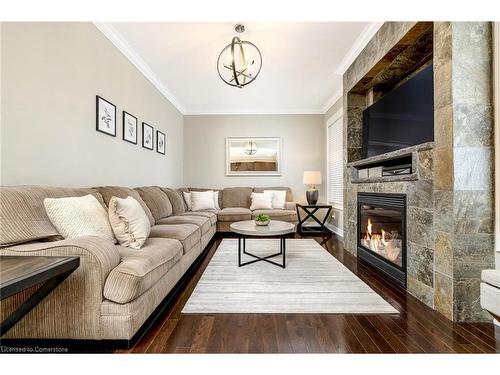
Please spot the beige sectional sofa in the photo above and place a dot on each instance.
(115, 289)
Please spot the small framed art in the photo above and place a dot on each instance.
(160, 142)
(147, 136)
(105, 116)
(129, 128)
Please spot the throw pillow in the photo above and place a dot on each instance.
(79, 216)
(216, 200)
(202, 200)
(187, 199)
(279, 198)
(261, 201)
(129, 222)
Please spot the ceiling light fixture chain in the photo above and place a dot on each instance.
(240, 62)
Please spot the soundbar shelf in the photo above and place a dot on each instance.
(405, 157)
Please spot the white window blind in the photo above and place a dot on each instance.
(335, 164)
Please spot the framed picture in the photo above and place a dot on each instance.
(253, 156)
(147, 136)
(160, 142)
(105, 116)
(129, 128)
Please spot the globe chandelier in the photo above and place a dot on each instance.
(239, 63)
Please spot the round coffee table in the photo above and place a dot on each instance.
(275, 228)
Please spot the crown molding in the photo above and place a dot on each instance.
(117, 40)
(358, 46)
(255, 112)
(336, 96)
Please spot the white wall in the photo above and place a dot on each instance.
(204, 149)
(51, 73)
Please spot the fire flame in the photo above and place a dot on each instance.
(381, 243)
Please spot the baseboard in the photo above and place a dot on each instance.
(14, 346)
(338, 231)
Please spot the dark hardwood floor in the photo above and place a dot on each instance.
(416, 329)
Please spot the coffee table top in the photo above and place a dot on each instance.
(274, 228)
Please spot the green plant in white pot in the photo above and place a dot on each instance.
(262, 219)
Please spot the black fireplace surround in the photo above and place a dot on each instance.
(382, 233)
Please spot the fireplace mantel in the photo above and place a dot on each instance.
(405, 153)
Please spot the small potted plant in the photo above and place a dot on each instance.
(262, 219)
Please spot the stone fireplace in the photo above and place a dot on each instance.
(449, 188)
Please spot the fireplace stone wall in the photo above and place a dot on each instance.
(450, 203)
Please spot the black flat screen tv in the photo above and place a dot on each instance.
(402, 118)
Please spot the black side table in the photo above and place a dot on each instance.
(311, 212)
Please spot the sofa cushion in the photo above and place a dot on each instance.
(180, 191)
(202, 222)
(491, 277)
(283, 215)
(188, 234)
(108, 192)
(156, 200)
(22, 214)
(289, 196)
(176, 201)
(211, 214)
(236, 197)
(234, 214)
(139, 270)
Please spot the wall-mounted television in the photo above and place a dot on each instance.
(402, 118)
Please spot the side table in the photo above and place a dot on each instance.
(18, 273)
(311, 212)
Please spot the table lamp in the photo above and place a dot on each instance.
(312, 178)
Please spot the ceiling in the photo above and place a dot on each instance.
(301, 70)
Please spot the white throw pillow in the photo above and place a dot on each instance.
(79, 216)
(202, 200)
(279, 198)
(216, 200)
(261, 201)
(187, 199)
(129, 222)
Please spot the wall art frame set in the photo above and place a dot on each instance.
(106, 123)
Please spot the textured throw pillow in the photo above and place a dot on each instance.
(279, 198)
(129, 222)
(261, 201)
(187, 199)
(216, 200)
(202, 200)
(79, 216)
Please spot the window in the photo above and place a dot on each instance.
(335, 160)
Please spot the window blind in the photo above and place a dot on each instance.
(335, 164)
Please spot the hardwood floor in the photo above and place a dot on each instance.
(416, 329)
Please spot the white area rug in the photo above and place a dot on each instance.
(313, 282)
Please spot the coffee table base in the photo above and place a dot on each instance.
(257, 258)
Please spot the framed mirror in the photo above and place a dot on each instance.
(253, 156)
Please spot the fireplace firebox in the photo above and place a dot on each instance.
(382, 233)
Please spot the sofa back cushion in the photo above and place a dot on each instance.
(156, 200)
(176, 200)
(108, 192)
(289, 196)
(22, 214)
(236, 197)
(203, 189)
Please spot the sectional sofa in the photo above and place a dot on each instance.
(115, 289)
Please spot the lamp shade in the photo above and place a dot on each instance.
(312, 178)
